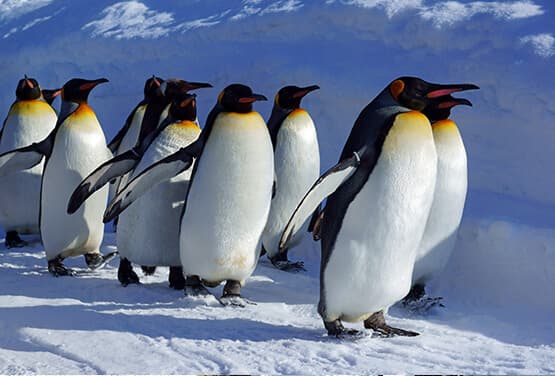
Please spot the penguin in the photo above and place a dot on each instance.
(229, 195)
(296, 165)
(73, 149)
(380, 195)
(148, 231)
(445, 216)
(124, 163)
(30, 119)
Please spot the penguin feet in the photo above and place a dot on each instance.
(376, 322)
(97, 260)
(148, 270)
(176, 278)
(14, 241)
(57, 269)
(126, 275)
(194, 287)
(281, 262)
(418, 302)
(335, 328)
(232, 295)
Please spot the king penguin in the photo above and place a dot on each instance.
(73, 149)
(380, 195)
(148, 231)
(30, 119)
(50, 94)
(445, 215)
(229, 195)
(296, 165)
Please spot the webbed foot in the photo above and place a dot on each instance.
(96, 260)
(57, 269)
(126, 274)
(376, 322)
(14, 241)
(176, 278)
(335, 328)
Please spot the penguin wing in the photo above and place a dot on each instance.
(160, 171)
(324, 186)
(25, 157)
(116, 141)
(117, 166)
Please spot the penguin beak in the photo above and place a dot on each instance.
(436, 90)
(305, 90)
(91, 84)
(450, 102)
(187, 101)
(196, 85)
(252, 98)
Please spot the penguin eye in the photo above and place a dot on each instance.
(396, 88)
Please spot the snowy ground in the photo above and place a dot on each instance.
(492, 322)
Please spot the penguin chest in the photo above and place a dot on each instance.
(27, 122)
(371, 265)
(229, 200)
(148, 231)
(79, 147)
(297, 167)
(445, 216)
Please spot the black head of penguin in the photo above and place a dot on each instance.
(238, 98)
(27, 89)
(77, 90)
(173, 87)
(50, 94)
(184, 107)
(415, 93)
(152, 87)
(439, 108)
(289, 97)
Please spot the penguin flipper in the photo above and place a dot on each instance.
(160, 171)
(116, 141)
(25, 157)
(324, 186)
(117, 166)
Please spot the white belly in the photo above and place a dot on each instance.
(297, 167)
(27, 122)
(447, 208)
(148, 230)
(79, 147)
(229, 200)
(373, 257)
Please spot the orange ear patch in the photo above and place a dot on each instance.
(396, 88)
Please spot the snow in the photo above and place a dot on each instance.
(91, 324)
(497, 287)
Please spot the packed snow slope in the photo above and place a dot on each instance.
(498, 285)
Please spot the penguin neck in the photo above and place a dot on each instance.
(68, 108)
(276, 119)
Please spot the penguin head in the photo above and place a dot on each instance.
(27, 89)
(415, 93)
(440, 108)
(152, 87)
(77, 90)
(50, 94)
(174, 86)
(289, 97)
(238, 98)
(184, 107)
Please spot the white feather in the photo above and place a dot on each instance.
(79, 147)
(371, 265)
(229, 200)
(27, 122)
(148, 230)
(297, 167)
(447, 208)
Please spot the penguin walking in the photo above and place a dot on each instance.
(30, 119)
(73, 149)
(445, 215)
(296, 165)
(229, 195)
(148, 231)
(380, 195)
